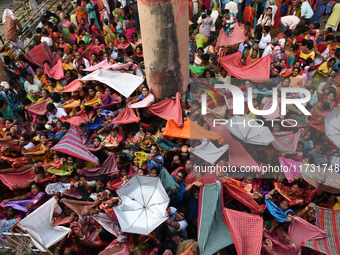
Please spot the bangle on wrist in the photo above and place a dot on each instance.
(58, 248)
(82, 238)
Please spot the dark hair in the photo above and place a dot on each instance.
(205, 57)
(50, 107)
(310, 158)
(325, 106)
(286, 78)
(25, 101)
(183, 210)
(61, 49)
(145, 172)
(183, 172)
(40, 127)
(323, 147)
(25, 136)
(262, 157)
(55, 97)
(311, 88)
(310, 44)
(278, 68)
(66, 124)
(330, 38)
(42, 118)
(288, 33)
(102, 178)
(298, 68)
(157, 170)
(295, 47)
(267, 28)
(152, 129)
(247, 23)
(105, 235)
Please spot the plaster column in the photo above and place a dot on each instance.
(165, 34)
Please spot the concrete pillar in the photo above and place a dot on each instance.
(165, 34)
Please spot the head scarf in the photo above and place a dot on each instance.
(8, 13)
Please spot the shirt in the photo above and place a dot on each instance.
(28, 146)
(152, 163)
(193, 207)
(232, 7)
(10, 29)
(60, 112)
(306, 10)
(183, 224)
(47, 40)
(290, 21)
(264, 41)
(83, 61)
(319, 159)
(175, 199)
(36, 86)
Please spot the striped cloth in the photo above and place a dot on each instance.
(286, 142)
(329, 221)
(240, 225)
(236, 189)
(116, 248)
(71, 144)
(213, 233)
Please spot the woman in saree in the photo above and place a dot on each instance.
(324, 71)
(96, 101)
(39, 75)
(66, 24)
(24, 202)
(92, 12)
(129, 27)
(330, 98)
(289, 56)
(109, 35)
(62, 44)
(41, 151)
(249, 14)
(95, 31)
(119, 26)
(252, 58)
(98, 48)
(83, 35)
(320, 8)
(322, 52)
(113, 139)
(319, 111)
(80, 11)
(119, 11)
(73, 36)
(44, 95)
(68, 65)
(306, 52)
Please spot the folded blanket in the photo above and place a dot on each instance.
(167, 181)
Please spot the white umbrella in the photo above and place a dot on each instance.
(249, 131)
(124, 83)
(144, 202)
(209, 152)
(332, 125)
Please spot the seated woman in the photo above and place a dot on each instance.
(24, 202)
(62, 169)
(41, 151)
(306, 52)
(253, 57)
(113, 139)
(99, 186)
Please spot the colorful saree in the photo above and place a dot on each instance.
(22, 204)
(291, 196)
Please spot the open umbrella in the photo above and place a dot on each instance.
(327, 179)
(332, 126)
(249, 131)
(144, 202)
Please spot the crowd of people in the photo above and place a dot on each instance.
(80, 140)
